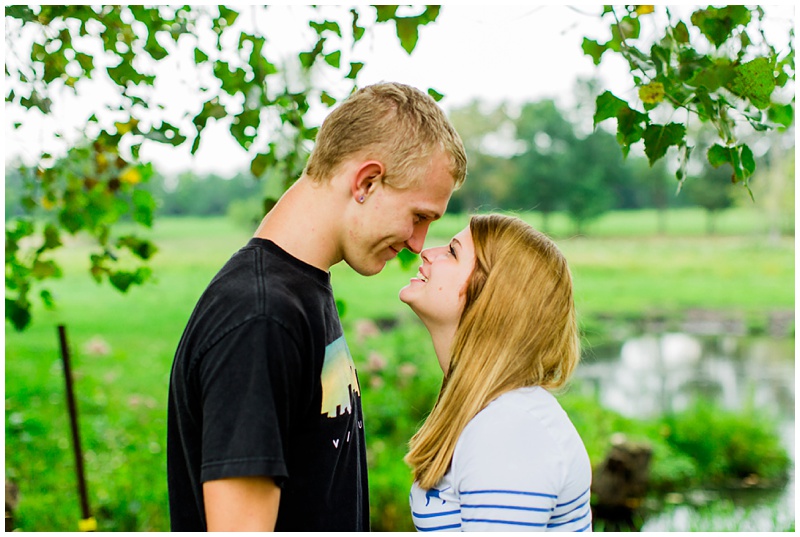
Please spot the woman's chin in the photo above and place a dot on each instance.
(405, 294)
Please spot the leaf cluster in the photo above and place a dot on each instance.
(711, 67)
(88, 191)
(123, 45)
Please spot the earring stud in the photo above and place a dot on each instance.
(361, 199)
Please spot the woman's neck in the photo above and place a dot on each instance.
(442, 337)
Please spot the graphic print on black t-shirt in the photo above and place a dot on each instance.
(339, 381)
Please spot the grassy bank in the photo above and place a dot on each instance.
(123, 347)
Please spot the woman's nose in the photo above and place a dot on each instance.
(426, 255)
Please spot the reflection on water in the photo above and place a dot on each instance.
(653, 374)
(656, 373)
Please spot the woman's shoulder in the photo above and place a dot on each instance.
(522, 441)
(523, 416)
(529, 404)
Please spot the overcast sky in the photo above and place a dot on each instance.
(511, 53)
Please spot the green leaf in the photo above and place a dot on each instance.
(607, 106)
(166, 134)
(24, 13)
(660, 57)
(740, 158)
(122, 280)
(142, 249)
(358, 31)
(658, 138)
(211, 109)
(685, 152)
(746, 161)
(47, 299)
(594, 49)
(86, 62)
(385, 13)
(124, 73)
(407, 32)
(232, 81)
(52, 239)
(630, 127)
(781, 114)
(261, 162)
(355, 67)
(307, 58)
(153, 48)
(45, 269)
(341, 307)
(326, 99)
(718, 24)
(713, 77)
(144, 206)
(200, 56)
(333, 58)
(754, 81)
(330, 26)
(407, 258)
(430, 14)
(226, 16)
(19, 313)
(37, 101)
(244, 127)
(435, 94)
(681, 33)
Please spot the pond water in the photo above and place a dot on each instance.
(648, 375)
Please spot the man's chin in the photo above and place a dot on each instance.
(367, 270)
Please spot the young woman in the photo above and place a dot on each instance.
(497, 452)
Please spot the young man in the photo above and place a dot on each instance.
(265, 427)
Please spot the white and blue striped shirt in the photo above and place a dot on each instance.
(519, 465)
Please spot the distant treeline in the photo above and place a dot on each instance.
(535, 158)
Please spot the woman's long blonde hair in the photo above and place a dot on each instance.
(518, 328)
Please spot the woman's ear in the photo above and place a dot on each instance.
(366, 179)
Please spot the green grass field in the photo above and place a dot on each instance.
(123, 344)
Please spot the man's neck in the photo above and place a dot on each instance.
(301, 224)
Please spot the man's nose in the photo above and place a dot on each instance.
(417, 239)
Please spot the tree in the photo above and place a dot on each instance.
(543, 180)
(716, 66)
(713, 191)
(487, 133)
(54, 50)
(594, 168)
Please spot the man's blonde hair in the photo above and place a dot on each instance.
(390, 122)
(518, 328)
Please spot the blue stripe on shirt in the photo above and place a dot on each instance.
(571, 501)
(576, 519)
(510, 492)
(432, 515)
(570, 512)
(491, 506)
(512, 522)
(438, 528)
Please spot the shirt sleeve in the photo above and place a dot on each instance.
(509, 474)
(248, 394)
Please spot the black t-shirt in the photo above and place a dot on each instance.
(263, 384)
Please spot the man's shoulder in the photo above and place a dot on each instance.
(263, 277)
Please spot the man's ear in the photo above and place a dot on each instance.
(367, 177)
